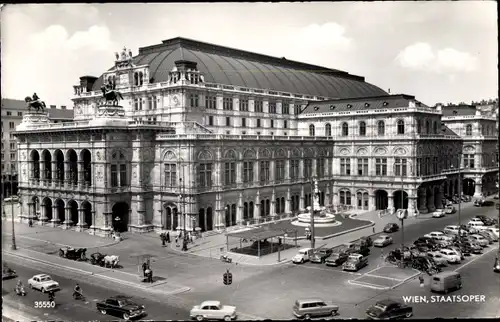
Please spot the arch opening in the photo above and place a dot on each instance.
(120, 213)
(400, 199)
(381, 200)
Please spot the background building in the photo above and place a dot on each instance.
(214, 137)
(12, 115)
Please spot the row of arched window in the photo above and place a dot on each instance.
(362, 128)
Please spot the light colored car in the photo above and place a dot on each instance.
(438, 258)
(493, 231)
(450, 255)
(478, 239)
(439, 213)
(456, 250)
(382, 241)
(450, 209)
(355, 262)
(453, 230)
(213, 310)
(303, 255)
(307, 308)
(44, 283)
(476, 226)
(434, 234)
(476, 220)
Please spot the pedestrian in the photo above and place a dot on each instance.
(373, 229)
(168, 237)
(163, 239)
(421, 280)
(144, 268)
(184, 246)
(30, 223)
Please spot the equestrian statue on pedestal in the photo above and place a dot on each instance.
(110, 94)
(35, 103)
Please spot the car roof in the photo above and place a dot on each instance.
(386, 302)
(452, 226)
(41, 275)
(313, 299)
(304, 249)
(210, 303)
(383, 236)
(446, 273)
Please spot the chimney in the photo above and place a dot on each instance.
(439, 107)
(86, 83)
(63, 107)
(53, 106)
(184, 65)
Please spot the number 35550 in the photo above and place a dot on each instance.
(44, 304)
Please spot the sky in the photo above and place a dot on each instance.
(436, 51)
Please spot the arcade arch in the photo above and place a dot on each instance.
(400, 199)
(120, 216)
(381, 199)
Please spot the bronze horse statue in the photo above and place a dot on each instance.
(111, 95)
(37, 105)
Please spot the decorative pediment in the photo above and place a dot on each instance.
(380, 151)
(295, 153)
(169, 155)
(344, 151)
(264, 153)
(205, 155)
(231, 155)
(249, 154)
(362, 151)
(469, 148)
(281, 153)
(400, 151)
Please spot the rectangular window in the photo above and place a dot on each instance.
(12, 146)
(258, 123)
(381, 167)
(205, 175)
(469, 161)
(19, 113)
(296, 109)
(211, 102)
(150, 103)
(258, 106)
(280, 170)
(227, 104)
(114, 175)
(285, 108)
(9, 113)
(435, 165)
(3, 156)
(271, 124)
(264, 171)
(272, 107)
(155, 102)
(170, 175)
(229, 173)
(285, 124)
(362, 166)
(247, 171)
(13, 157)
(294, 170)
(307, 169)
(211, 120)
(243, 104)
(401, 167)
(193, 100)
(243, 122)
(123, 175)
(11, 136)
(228, 121)
(320, 167)
(345, 166)
(11, 125)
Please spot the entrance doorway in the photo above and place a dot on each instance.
(201, 219)
(469, 187)
(210, 219)
(400, 199)
(120, 216)
(381, 200)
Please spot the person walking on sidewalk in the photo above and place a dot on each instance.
(168, 237)
(163, 239)
(144, 268)
(30, 223)
(176, 241)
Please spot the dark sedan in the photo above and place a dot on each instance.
(320, 255)
(389, 309)
(391, 227)
(487, 221)
(8, 273)
(337, 259)
(120, 306)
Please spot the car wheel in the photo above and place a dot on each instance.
(103, 311)
(307, 316)
(43, 290)
(302, 261)
(199, 318)
(334, 313)
(408, 314)
(126, 316)
(30, 285)
(227, 318)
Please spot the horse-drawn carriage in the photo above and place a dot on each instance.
(97, 259)
(73, 253)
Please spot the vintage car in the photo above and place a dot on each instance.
(450, 209)
(434, 234)
(391, 227)
(453, 229)
(438, 258)
(213, 310)
(439, 213)
(320, 255)
(478, 239)
(355, 262)
(488, 235)
(494, 231)
(382, 241)
(478, 202)
(388, 310)
(303, 255)
(487, 221)
(451, 256)
(120, 306)
(337, 258)
(43, 283)
(307, 308)
(8, 273)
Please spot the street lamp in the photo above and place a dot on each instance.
(311, 206)
(402, 215)
(459, 197)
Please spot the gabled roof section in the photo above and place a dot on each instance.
(12, 104)
(459, 110)
(229, 66)
(361, 104)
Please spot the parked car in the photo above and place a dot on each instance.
(438, 258)
(450, 256)
(434, 234)
(337, 258)
(303, 255)
(478, 203)
(488, 235)
(450, 209)
(389, 309)
(43, 283)
(382, 241)
(474, 247)
(465, 248)
(8, 273)
(425, 241)
(391, 227)
(478, 239)
(307, 308)
(120, 306)
(487, 221)
(439, 213)
(320, 255)
(355, 262)
(453, 229)
(456, 250)
(494, 231)
(213, 310)
(475, 226)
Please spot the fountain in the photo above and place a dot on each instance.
(322, 218)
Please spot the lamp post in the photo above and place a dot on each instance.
(13, 247)
(314, 194)
(459, 197)
(403, 213)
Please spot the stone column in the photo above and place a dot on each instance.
(256, 208)
(218, 211)
(301, 170)
(43, 177)
(430, 201)
(287, 170)
(478, 192)
(390, 206)
(54, 173)
(67, 174)
(141, 211)
(272, 171)
(302, 197)
(80, 175)
(272, 211)
(239, 210)
(81, 225)
(55, 217)
(412, 204)
(438, 199)
(43, 215)
(67, 218)
(288, 202)
(239, 172)
(314, 169)
(371, 202)
(422, 198)
(328, 195)
(93, 226)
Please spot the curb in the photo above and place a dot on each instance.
(371, 224)
(98, 275)
(62, 245)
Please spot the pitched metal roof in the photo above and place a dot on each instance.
(358, 104)
(459, 110)
(259, 233)
(60, 114)
(236, 67)
(12, 104)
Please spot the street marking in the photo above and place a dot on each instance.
(329, 270)
(384, 277)
(475, 258)
(406, 279)
(370, 285)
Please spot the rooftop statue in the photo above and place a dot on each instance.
(111, 95)
(35, 103)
